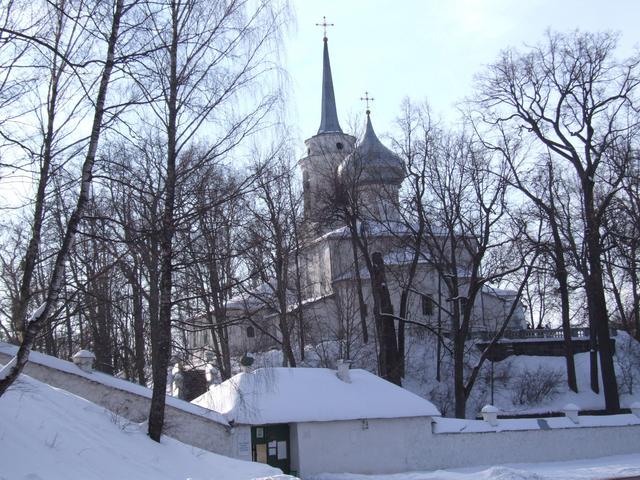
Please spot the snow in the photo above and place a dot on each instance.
(36, 315)
(455, 425)
(84, 354)
(585, 399)
(618, 466)
(421, 373)
(4, 371)
(48, 433)
(489, 409)
(108, 380)
(283, 395)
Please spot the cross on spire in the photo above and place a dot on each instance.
(367, 99)
(324, 24)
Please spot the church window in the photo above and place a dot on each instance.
(427, 305)
(463, 304)
(339, 146)
(251, 332)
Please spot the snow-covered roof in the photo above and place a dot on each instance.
(283, 395)
(499, 292)
(113, 382)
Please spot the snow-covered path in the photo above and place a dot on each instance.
(616, 467)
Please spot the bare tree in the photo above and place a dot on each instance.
(39, 318)
(569, 94)
(274, 247)
(202, 56)
(467, 235)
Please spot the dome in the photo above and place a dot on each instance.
(372, 162)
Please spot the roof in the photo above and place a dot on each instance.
(499, 292)
(329, 115)
(110, 381)
(284, 395)
(372, 162)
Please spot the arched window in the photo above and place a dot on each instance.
(427, 305)
(251, 332)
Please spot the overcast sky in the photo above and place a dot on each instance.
(423, 49)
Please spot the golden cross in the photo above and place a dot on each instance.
(367, 99)
(324, 24)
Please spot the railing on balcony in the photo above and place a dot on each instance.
(580, 333)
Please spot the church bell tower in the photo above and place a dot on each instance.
(324, 152)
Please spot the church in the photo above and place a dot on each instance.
(351, 194)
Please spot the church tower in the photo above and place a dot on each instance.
(376, 174)
(325, 151)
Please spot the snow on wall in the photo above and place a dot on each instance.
(199, 429)
(406, 444)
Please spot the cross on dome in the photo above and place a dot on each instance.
(324, 24)
(367, 99)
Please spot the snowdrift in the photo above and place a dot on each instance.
(50, 434)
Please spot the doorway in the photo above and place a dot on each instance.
(270, 445)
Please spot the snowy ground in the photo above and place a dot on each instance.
(50, 434)
(621, 466)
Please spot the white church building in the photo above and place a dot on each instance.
(335, 283)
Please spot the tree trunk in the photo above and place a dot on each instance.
(388, 357)
(563, 286)
(161, 331)
(362, 307)
(597, 302)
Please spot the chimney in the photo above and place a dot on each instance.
(84, 360)
(343, 370)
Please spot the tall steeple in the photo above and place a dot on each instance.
(329, 115)
(325, 151)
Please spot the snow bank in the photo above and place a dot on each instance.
(51, 434)
(283, 395)
(619, 466)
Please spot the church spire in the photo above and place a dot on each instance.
(329, 115)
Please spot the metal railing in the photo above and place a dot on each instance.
(541, 333)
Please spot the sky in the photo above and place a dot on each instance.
(422, 49)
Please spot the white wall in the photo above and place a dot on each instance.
(382, 446)
(399, 445)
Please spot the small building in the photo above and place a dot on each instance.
(311, 420)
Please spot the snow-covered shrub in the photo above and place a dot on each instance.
(627, 362)
(441, 395)
(530, 387)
